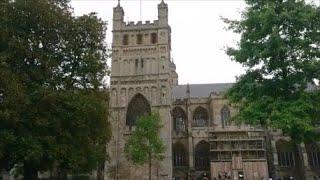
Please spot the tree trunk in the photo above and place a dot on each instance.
(300, 162)
(62, 174)
(150, 169)
(100, 172)
(29, 172)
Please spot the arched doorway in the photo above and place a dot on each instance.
(179, 161)
(202, 162)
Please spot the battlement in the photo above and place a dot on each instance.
(120, 24)
(140, 25)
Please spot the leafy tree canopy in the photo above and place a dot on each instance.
(145, 146)
(53, 102)
(280, 49)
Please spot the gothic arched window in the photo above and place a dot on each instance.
(154, 38)
(225, 116)
(125, 40)
(202, 161)
(200, 117)
(179, 155)
(139, 38)
(138, 106)
(179, 119)
(313, 155)
(285, 153)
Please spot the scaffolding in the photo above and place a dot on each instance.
(230, 149)
(249, 144)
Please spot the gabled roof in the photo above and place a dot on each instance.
(204, 90)
(199, 90)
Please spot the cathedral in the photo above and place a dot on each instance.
(201, 142)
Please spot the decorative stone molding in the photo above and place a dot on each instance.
(139, 51)
(114, 83)
(135, 82)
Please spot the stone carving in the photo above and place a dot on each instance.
(153, 95)
(114, 95)
(131, 91)
(163, 95)
(146, 92)
(123, 97)
(138, 89)
(139, 51)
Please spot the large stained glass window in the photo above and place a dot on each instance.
(138, 106)
(200, 117)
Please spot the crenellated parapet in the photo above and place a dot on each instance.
(120, 25)
(140, 25)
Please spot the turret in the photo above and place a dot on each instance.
(174, 74)
(188, 91)
(163, 14)
(118, 15)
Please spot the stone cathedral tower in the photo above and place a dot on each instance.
(142, 76)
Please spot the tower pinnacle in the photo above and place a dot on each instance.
(163, 14)
(162, 3)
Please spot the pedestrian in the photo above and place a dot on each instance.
(277, 178)
(229, 175)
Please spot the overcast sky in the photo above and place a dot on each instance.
(198, 37)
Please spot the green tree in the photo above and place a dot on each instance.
(145, 145)
(53, 100)
(280, 49)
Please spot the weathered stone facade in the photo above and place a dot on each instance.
(199, 137)
(140, 76)
(210, 143)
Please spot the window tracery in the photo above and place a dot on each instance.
(313, 152)
(285, 154)
(179, 155)
(200, 117)
(179, 119)
(138, 106)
